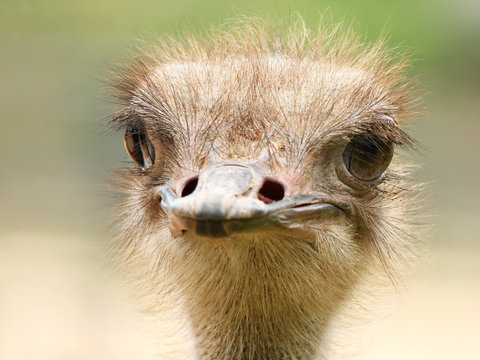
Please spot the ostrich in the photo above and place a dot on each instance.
(264, 185)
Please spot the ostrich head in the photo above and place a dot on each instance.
(264, 182)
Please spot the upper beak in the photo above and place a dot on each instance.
(229, 198)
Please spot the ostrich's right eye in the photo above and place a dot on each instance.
(139, 147)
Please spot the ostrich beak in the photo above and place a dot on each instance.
(234, 198)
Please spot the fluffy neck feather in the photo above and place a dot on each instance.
(259, 298)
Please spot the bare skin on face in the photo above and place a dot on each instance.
(265, 183)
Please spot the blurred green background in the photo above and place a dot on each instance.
(55, 158)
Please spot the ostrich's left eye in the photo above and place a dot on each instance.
(367, 157)
(139, 146)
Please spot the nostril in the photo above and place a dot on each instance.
(190, 186)
(271, 191)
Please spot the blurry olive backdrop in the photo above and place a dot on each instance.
(55, 157)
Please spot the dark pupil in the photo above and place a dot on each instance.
(367, 157)
(132, 139)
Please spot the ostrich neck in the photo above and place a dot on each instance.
(263, 304)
